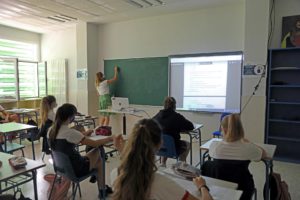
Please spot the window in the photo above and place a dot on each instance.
(21, 76)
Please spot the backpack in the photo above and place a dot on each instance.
(60, 188)
(33, 134)
(278, 189)
(103, 130)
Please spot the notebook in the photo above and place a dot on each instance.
(119, 103)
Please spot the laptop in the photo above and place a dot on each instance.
(119, 103)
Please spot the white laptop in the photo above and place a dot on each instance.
(119, 103)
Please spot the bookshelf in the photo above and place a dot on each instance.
(283, 103)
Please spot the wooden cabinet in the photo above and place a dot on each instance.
(283, 103)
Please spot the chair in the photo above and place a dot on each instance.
(218, 133)
(43, 133)
(12, 147)
(63, 167)
(234, 171)
(168, 148)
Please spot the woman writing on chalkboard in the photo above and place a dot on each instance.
(102, 86)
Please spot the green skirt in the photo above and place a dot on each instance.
(104, 103)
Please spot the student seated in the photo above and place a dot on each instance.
(5, 117)
(172, 123)
(64, 139)
(137, 177)
(235, 150)
(48, 104)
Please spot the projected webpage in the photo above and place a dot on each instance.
(207, 83)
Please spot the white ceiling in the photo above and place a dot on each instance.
(50, 15)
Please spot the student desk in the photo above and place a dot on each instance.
(7, 173)
(270, 150)
(124, 112)
(85, 120)
(195, 133)
(12, 127)
(21, 112)
(219, 189)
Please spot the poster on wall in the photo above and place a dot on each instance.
(290, 31)
(82, 74)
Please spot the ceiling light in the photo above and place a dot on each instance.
(160, 2)
(55, 19)
(147, 2)
(134, 3)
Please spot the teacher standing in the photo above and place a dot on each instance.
(102, 86)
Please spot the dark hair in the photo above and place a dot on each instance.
(170, 103)
(63, 113)
(46, 106)
(138, 162)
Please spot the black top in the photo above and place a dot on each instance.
(172, 123)
(80, 164)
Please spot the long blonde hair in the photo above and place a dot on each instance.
(232, 127)
(138, 162)
(99, 78)
(45, 107)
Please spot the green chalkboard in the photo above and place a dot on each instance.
(143, 80)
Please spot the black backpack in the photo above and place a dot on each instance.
(33, 134)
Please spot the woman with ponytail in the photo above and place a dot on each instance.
(64, 139)
(137, 175)
(47, 114)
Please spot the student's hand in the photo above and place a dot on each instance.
(119, 142)
(199, 182)
(116, 69)
(88, 132)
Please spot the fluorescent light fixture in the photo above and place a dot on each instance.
(55, 19)
(160, 2)
(147, 2)
(134, 3)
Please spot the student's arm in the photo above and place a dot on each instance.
(186, 125)
(201, 185)
(115, 76)
(87, 133)
(119, 143)
(264, 153)
(6, 115)
(96, 143)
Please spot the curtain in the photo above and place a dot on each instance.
(57, 79)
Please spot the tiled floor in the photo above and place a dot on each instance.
(289, 172)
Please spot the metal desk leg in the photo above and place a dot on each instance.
(34, 172)
(191, 149)
(102, 153)
(269, 168)
(124, 124)
(5, 140)
(33, 151)
(200, 155)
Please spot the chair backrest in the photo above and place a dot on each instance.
(231, 170)
(167, 148)
(62, 165)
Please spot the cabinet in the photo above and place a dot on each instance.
(283, 103)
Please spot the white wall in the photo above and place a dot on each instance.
(208, 30)
(15, 34)
(62, 45)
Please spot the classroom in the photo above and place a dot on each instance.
(79, 36)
